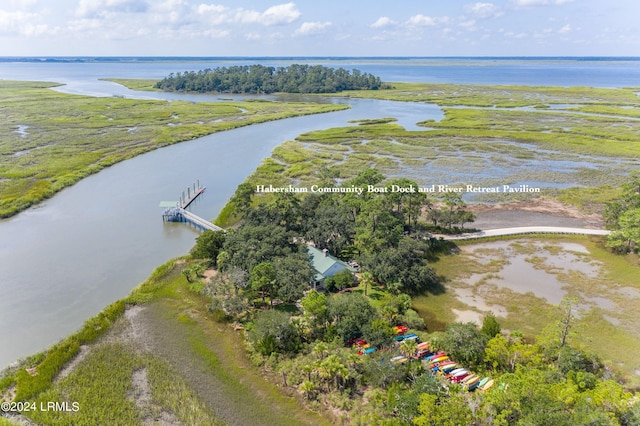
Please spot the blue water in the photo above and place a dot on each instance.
(533, 71)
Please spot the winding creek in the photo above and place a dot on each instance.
(64, 260)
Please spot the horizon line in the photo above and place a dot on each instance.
(321, 56)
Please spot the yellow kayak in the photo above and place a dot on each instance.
(470, 379)
(487, 386)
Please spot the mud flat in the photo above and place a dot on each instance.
(523, 281)
(538, 212)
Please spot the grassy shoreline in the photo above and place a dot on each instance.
(44, 150)
(182, 351)
(590, 147)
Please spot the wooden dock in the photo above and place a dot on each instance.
(176, 211)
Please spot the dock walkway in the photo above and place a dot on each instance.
(524, 230)
(199, 222)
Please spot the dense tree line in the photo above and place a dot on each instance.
(623, 217)
(265, 258)
(259, 79)
(541, 383)
(379, 231)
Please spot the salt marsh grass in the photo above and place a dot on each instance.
(69, 137)
(167, 363)
(485, 146)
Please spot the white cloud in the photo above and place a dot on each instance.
(565, 29)
(483, 10)
(421, 20)
(176, 13)
(21, 23)
(310, 28)
(215, 33)
(383, 21)
(215, 14)
(275, 15)
(83, 25)
(470, 24)
(515, 35)
(95, 8)
(21, 4)
(525, 3)
(118, 19)
(530, 2)
(9, 19)
(204, 9)
(32, 30)
(281, 14)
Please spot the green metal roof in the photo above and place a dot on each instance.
(322, 263)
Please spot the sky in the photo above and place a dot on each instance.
(319, 28)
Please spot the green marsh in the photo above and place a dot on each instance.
(50, 140)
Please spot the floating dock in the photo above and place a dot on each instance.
(175, 211)
(191, 195)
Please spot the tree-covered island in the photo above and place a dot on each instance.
(260, 79)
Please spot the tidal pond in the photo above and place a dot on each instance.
(530, 267)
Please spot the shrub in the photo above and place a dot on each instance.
(272, 332)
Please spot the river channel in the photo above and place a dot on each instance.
(64, 260)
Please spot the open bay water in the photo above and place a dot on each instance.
(64, 260)
(531, 71)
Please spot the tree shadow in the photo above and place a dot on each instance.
(438, 286)
(289, 308)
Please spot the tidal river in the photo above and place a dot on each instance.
(64, 260)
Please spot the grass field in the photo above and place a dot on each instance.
(165, 361)
(50, 140)
(511, 96)
(461, 158)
